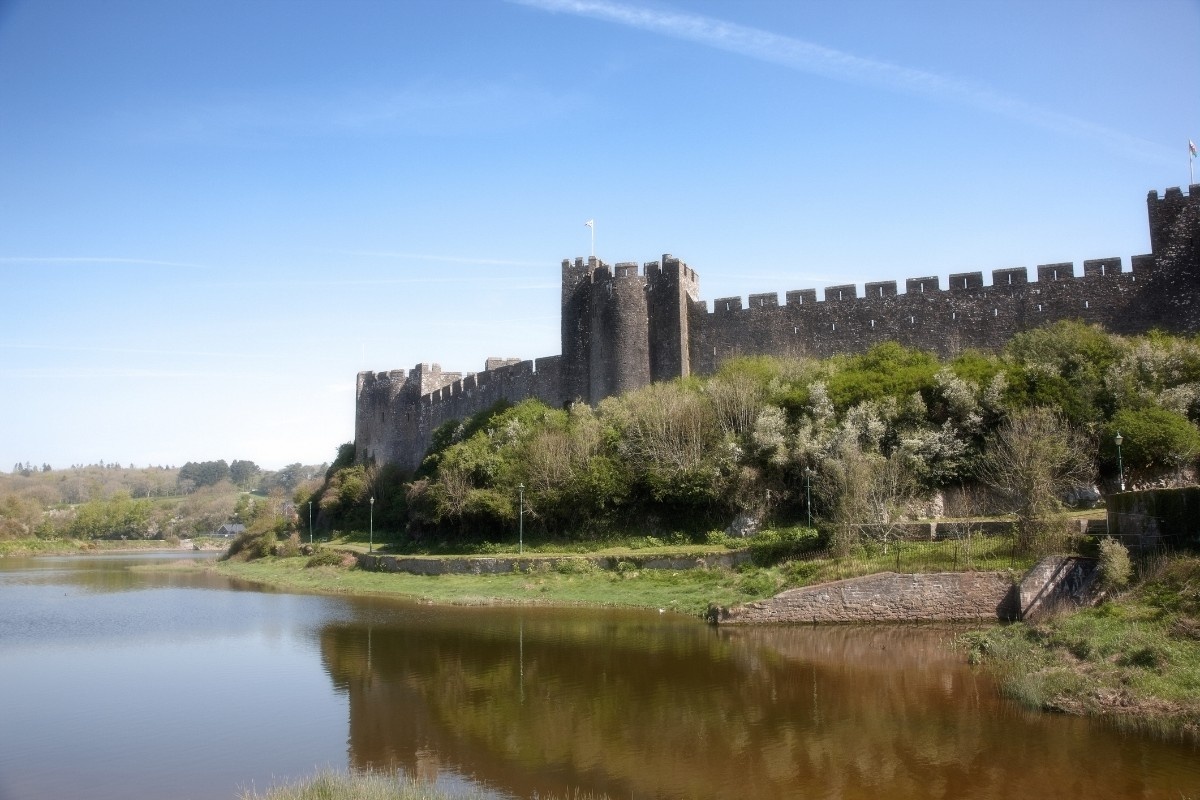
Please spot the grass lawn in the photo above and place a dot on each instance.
(686, 591)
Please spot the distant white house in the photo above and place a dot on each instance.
(230, 529)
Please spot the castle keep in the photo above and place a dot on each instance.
(624, 327)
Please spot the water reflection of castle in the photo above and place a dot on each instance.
(622, 704)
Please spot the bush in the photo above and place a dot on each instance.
(289, 547)
(250, 545)
(772, 546)
(325, 558)
(1115, 568)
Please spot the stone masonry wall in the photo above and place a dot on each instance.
(1156, 518)
(885, 597)
(1056, 582)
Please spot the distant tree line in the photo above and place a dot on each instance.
(868, 436)
(110, 501)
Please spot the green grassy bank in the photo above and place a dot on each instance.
(687, 591)
(1134, 659)
(782, 559)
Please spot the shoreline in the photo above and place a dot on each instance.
(32, 548)
(1132, 674)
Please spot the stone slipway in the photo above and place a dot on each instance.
(925, 597)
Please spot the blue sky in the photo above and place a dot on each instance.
(214, 214)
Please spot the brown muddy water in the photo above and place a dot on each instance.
(120, 684)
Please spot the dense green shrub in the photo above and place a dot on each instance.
(775, 545)
(325, 558)
(1114, 565)
(755, 438)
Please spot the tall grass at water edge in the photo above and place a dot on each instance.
(331, 785)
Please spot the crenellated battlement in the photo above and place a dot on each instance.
(1001, 279)
(625, 326)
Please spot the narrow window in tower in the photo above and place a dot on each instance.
(872, 323)
(839, 294)
(912, 320)
(1010, 279)
(1039, 306)
(1087, 304)
(795, 330)
(833, 327)
(727, 306)
(995, 312)
(953, 315)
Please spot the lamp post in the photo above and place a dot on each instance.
(310, 521)
(808, 493)
(371, 540)
(521, 528)
(1120, 467)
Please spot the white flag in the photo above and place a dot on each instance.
(591, 223)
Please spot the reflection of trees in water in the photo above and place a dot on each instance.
(544, 701)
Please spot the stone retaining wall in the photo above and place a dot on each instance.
(1055, 582)
(492, 565)
(1156, 517)
(885, 597)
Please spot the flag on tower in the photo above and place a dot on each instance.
(1191, 149)
(591, 222)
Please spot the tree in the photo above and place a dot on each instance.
(1032, 460)
(1154, 437)
(203, 473)
(866, 493)
(241, 472)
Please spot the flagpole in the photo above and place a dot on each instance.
(591, 225)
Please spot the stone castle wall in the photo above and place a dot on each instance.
(625, 327)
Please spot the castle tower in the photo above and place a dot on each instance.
(1171, 297)
(620, 343)
(576, 326)
(671, 288)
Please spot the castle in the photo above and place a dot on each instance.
(625, 327)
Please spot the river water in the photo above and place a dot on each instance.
(132, 684)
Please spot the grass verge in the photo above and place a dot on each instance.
(1134, 659)
(686, 591)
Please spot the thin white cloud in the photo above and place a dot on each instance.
(122, 350)
(484, 262)
(94, 260)
(96, 373)
(419, 108)
(827, 62)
